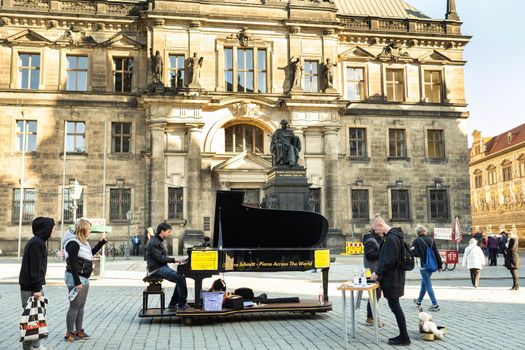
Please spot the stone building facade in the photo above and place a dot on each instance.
(497, 182)
(157, 104)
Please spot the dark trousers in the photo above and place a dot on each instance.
(181, 291)
(135, 251)
(474, 277)
(515, 277)
(395, 307)
(369, 308)
(493, 256)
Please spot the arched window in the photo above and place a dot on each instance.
(243, 137)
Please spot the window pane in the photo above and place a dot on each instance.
(241, 64)
(35, 61)
(228, 139)
(249, 82)
(249, 59)
(248, 137)
(82, 81)
(71, 62)
(261, 82)
(239, 142)
(82, 62)
(35, 79)
(228, 58)
(24, 60)
(23, 76)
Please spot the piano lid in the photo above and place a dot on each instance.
(247, 227)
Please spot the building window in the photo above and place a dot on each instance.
(262, 71)
(175, 202)
(28, 70)
(433, 86)
(68, 206)
(243, 137)
(360, 205)
(77, 73)
(478, 179)
(397, 147)
(311, 76)
(76, 137)
(400, 204)
(506, 171)
(357, 139)
(355, 83)
(491, 175)
(28, 208)
(121, 137)
(251, 196)
(521, 164)
(439, 205)
(228, 69)
(119, 203)
(26, 132)
(245, 70)
(176, 70)
(123, 73)
(436, 144)
(395, 85)
(315, 199)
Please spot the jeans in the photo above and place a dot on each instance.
(24, 295)
(474, 277)
(395, 307)
(135, 251)
(426, 286)
(493, 256)
(75, 313)
(180, 293)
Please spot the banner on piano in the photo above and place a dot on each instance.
(205, 260)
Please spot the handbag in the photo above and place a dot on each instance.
(33, 325)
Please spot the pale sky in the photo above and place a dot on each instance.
(494, 74)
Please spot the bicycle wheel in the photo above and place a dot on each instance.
(444, 266)
(451, 267)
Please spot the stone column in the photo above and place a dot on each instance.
(193, 178)
(158, 174)
(331, 175)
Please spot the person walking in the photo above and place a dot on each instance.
(419, 249)
(512, 259)
(32, 275)
(390, 276)
(135, 241)
(372, 242)
(492, 245)
(79, 266)
(473, 259)
(157, 265)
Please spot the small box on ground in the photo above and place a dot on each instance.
(212, 301)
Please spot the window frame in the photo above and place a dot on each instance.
(364, 142)
(170, 69)
(347, 80)
(68, 201)
(388, 82)
(432, 142)
(75, 135)
(115, 72)
(396, 143)
(478, 178)
(444, 202)
(27, 217)
(175, 203)
(29, 133)
(121, 216)
(506, 171)
(255, 128)
(400, 201)
(315, 87)
(355, 202)
(121, 136)
(440, 85)
(68, 70)
(492, 175)
(30, 69)
(521, 165)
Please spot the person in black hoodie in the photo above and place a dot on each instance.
(372, 241)
(157, 265)
(34, 266)
(391, 277)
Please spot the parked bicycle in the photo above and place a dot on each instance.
(58, 254)
(110, 252)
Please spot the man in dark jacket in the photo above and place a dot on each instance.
(372, 242)
(391, 277)
(157, 263)
(34, 266)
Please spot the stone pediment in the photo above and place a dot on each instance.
(244, 161)
(437, 57)
(27, 37)
(122, 41)
(357, 53)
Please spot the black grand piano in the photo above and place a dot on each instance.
(248, 239)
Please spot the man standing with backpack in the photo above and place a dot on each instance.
(391, 275)
(424, 247)
(372, 242)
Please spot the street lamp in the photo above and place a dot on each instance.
(126, 250)
(76, 192)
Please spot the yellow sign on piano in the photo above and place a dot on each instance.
(204, 260)
(322, 258)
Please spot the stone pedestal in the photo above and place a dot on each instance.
(287, 188)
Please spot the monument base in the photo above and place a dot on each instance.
(287, 188)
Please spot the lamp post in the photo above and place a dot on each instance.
(76, 192)
(126, 249)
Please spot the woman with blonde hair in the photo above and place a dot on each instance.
(473, 258)
(79, 266)
(512, 258)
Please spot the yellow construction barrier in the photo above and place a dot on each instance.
(354, 248)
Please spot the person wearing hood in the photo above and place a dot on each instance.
(473, 258)
(79, 266)
(34, 267)
(390, 276)
(372, 242)
(512, 259)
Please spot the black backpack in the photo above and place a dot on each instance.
(406, 257)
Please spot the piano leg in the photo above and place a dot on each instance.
(198, 288)
(325, 283)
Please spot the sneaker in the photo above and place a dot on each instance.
(370, 322)
(81, 334)
(398, 341)
(434, 308)
(71, 337)
(183, 307)
(417, 302)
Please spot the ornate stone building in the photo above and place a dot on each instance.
(154, 105)
(497, 181)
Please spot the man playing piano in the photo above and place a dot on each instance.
(157, 265)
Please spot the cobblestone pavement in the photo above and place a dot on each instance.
(113, 304)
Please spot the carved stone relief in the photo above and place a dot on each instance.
(245, 110)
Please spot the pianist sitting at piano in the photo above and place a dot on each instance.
(157, 264)
(285, 146)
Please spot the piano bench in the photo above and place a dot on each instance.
(146, 293)
(155, 283)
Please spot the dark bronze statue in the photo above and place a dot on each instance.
(285, 146)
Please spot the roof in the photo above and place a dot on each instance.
(378, 8)
(501, 142)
